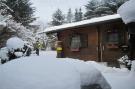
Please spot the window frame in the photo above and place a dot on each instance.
(83, 40)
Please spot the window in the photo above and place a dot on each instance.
(75, 43)
(113, 37)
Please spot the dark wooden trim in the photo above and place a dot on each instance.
(99, 42)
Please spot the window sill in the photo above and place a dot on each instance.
(75, 50)
(112, 46)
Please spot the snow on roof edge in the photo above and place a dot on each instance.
(84, 22)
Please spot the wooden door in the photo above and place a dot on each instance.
(110, 41)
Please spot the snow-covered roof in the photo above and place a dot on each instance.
(81, 23)
(127, 11)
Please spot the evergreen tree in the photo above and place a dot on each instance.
(22, 12)
(113, 4)
(90, 9)
(102, 10)
(80, 15)
(58, 18)
(97, 8)
(69, 16)
(76, 16)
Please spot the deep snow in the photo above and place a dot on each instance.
(48, 72)
(38, 73)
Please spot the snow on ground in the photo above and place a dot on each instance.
(38, 73)
(117, 78)
(121, 80)
(48, 72)
(88, 73)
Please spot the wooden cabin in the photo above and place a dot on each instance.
(102, 39)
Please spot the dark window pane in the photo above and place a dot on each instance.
(113, 37)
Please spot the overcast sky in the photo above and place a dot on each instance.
(45, 8)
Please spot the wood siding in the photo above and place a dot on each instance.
(87, 53)
(96, 41)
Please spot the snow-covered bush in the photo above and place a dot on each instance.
(21, 31)
(48, 40)
(15, 47)
(15, 43)
(125, 61)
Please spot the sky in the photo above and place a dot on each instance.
(45, 8)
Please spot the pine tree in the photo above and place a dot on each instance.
(76, 16)
(4, 8)
(97, 8)
(22, 12)
(102, 10)
(114, 4)
(90, 9)
(80, 15)
(58, 18)
(69, 16)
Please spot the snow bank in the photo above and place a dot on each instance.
(89, 74)
(104, 69)
(127, 11)
(38, 73)
(14, 43)
(48, 72)
(121, 80)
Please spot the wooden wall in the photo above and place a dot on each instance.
(87, 53)
(95, 39)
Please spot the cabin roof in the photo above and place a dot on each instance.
(82, 23)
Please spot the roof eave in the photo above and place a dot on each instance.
(88, 24)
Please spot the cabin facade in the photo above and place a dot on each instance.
(101, 39)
